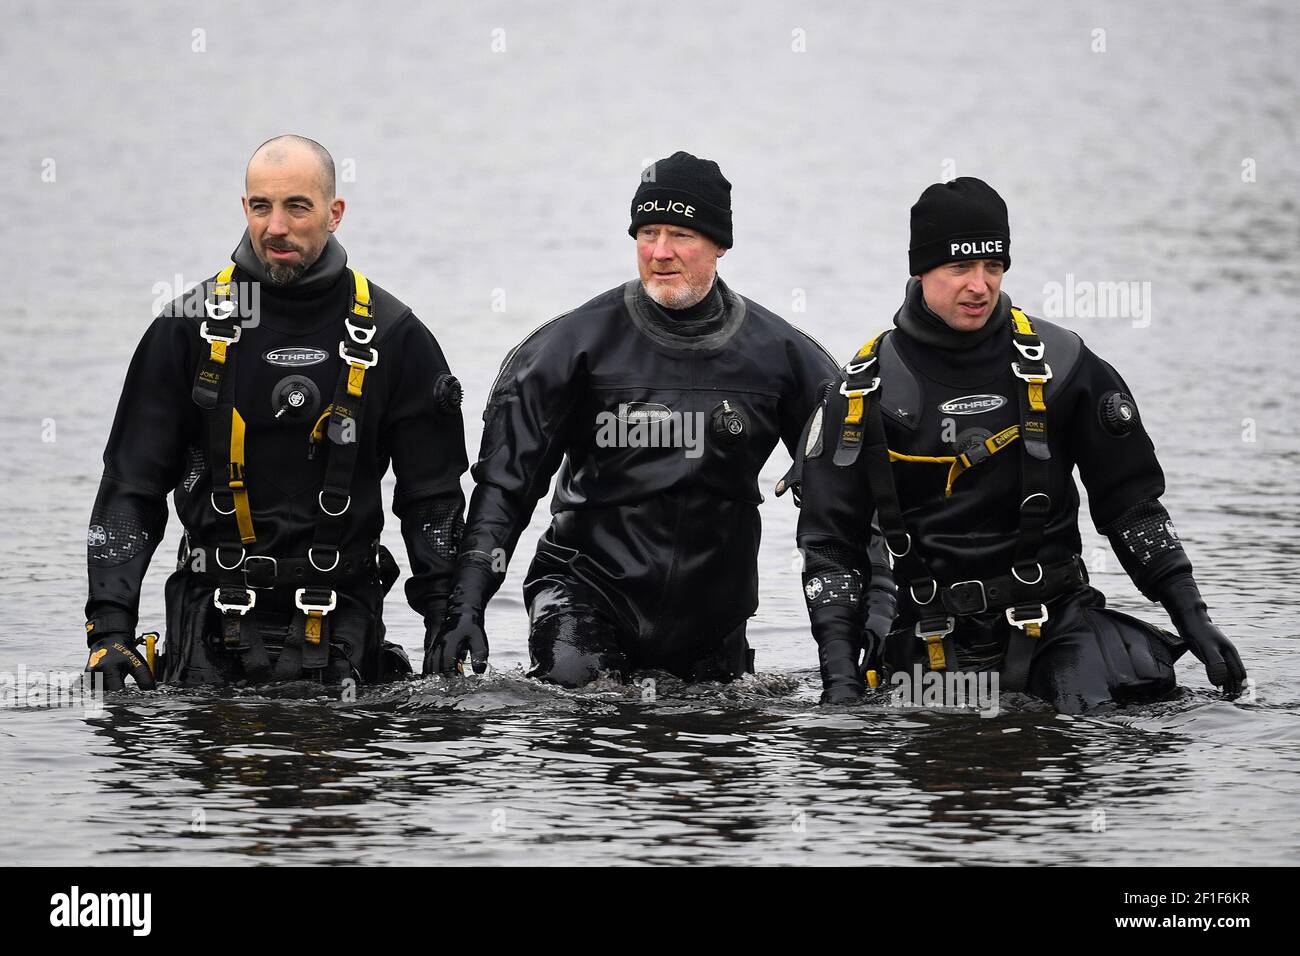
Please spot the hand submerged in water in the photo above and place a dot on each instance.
(1191, 619)
(461, 633)
(115, 657)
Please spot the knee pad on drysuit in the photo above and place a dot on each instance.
(573, 647)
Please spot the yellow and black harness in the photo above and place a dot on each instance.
(239, 573)
(1023, 593)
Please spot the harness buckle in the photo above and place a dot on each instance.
(266, 578)
(1012, 619)
(306, 605)
(345, 353)
(360, 334)
(859, 392)
(1032, 353)
(216, 337)
(225, 607)
(927, 634)
(977, 453)
(1034, 378)
(212, 497)
(984, 600)
(857, 368)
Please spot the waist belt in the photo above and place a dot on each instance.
(262, 571)
(996, 594)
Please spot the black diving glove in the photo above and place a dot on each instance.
(114, 655)
(1182, 599)
(836, 628)
(461, 631)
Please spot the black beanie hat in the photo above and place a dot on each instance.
(685, 191)
(962, 219)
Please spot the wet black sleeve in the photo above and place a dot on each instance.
(525, 431)
(143, 461)
(1118, 465)
(835, 531)
(812, 367)
(426, 433)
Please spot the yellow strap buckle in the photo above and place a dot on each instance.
(315, 611)
(933, 637)
(1032, 626)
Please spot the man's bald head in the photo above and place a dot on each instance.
(282, 150)
(291, 207)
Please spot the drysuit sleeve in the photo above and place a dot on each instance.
(835, 538)
(1118, 465)
(426, 433)
(143, 461)
(812, 368)
(525, 433)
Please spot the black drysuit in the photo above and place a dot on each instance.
(281, 375)
(941, 393)
(659, 423)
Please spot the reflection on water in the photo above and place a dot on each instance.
(503, 769)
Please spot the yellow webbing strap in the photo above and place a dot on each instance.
(1022, 323)
(1033, 630)
(318, 430)
(361, 307)
(934, 647)
(994, 444)
(243, 515)
(356, 376)
(854, 414)
(867, 349)
(959, 463)
(921, 459)
(361, 295)
(1034, 386)
(311, 626)
(221, 289)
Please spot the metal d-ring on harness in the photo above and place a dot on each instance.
(307, 646)
(1029, 586)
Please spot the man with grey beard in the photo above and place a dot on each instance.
(260, 401)
(651, 559)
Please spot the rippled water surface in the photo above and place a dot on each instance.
(478, 179)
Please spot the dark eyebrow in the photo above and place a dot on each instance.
(303, 199)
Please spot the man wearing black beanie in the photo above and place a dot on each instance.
(659, 402)
(986, 549)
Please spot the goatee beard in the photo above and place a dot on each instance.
(285, 274)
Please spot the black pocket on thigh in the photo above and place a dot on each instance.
(1139, 658)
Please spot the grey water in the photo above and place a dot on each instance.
(488, 153)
